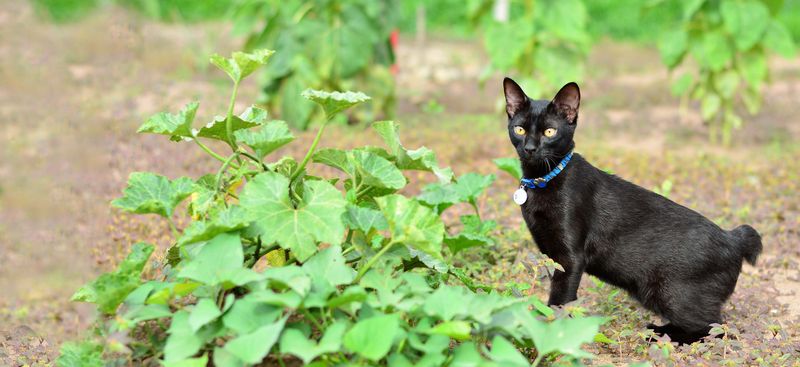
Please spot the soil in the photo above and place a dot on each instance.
(73, 95)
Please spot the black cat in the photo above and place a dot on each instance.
(673, 260)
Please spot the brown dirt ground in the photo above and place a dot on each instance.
(73, 95)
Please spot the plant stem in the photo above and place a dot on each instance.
(312, 318)
(173, 227)
(229, 118)
(221, 171)
(254, 159)
(537, 360)
(208, 150)
(372, 261)
(310, 151)
(256, 254)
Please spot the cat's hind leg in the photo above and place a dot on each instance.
(677, 334)
(691, 314)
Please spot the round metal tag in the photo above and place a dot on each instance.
(520, 196)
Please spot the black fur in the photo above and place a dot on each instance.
(676, 262)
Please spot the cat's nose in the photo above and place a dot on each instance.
(530, 149)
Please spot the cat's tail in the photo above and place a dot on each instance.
(748, 242)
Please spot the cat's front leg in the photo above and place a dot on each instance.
(564, 284)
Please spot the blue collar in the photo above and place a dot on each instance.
(541, 182)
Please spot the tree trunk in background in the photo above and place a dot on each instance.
(500, 10)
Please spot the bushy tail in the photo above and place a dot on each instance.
(749, 242)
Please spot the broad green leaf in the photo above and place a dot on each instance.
(373, 337)
(267, 139)
(374, 170)
(466, 188)
(602, 338)
(110, 289)
(253, 347)
(413, 224)
(365, 219)
(334, 102)
(288, 299)
(217, 129)
(713, 51)
(562, 335)
(351, 294)
(177, 127)
(440, 196)
(204, 199)
(83, 354)
(327, 269)
(294, 342)
(219, 262)
(458, 330)
(435, 263)
(710, 106)
(248, 314)
(467, 355)
(335, 158)
(317, 218)
(506, 42)
(228, 220)
(183, 342)
(778, 39)
(189, 362)
(566, 19)
(149, 193)
(673, 46)
(422, 159)
(291, 276)
(504, 353)
(726, 83)
(510, 166)
(690, 8)
(681, 85)
(745, 20)
(753, 67)
(364, 166)
(440, 304)
(285, 166)
(137, 314)
(471, 185)
(463, 241)
(241, 64)
(204, 311)
(223, 358)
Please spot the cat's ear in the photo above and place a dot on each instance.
(567, 101)
(515, 97)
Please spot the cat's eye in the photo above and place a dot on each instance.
(519, 130)
(549, 132)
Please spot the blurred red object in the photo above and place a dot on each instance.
(394, 39)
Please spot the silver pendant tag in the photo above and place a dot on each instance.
(520, 196)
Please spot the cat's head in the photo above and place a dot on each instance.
(541, 130)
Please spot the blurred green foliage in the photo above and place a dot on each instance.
(324, 44)
(181, 10)
(344, 44)
(728, 42)
(61, 11)
(544, 42)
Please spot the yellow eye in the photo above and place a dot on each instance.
(519, 130)
(549, 132)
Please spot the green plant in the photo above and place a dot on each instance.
(729, 42)
(325, 44)
(544, 41)
(281, 264)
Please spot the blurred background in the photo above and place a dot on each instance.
(696, 99)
